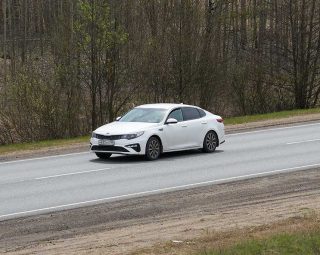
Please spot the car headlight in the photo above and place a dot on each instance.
(132, 136)
(94, 135)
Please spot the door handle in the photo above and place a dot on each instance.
(204, 122)
(184, 126)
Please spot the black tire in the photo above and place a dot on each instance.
(103, 155)
(153, 148)
(210, 142)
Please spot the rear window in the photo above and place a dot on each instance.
(202, 113)
(190, 113)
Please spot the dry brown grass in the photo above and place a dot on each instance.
(308, 223)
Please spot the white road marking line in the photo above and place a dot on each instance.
(68, 174)
(150, 192)
(48, 157)
(272, 129)
(305, 141)
(55, 176)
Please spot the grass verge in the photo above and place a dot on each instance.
(42, 144)
(297, 235)
(6, 149)
(299, 243)
(269, 116)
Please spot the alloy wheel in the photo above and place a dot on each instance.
(210, 142)
(153, 148)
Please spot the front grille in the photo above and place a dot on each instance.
(109, 137)
(108, 148)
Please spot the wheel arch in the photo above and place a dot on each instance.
(213, 130)
(159, 138)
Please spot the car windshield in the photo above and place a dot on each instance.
(149, 115)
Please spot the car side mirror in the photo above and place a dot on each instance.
(118, 118)
(171, 121)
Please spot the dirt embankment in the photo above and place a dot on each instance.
(128, 226)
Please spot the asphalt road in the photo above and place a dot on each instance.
(36, 186)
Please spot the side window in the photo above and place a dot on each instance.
(190, 113)
(176, 114)
(202, 113)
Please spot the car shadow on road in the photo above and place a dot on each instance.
(169, 156)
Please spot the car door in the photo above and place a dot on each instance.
(175, 134)
(194, 126)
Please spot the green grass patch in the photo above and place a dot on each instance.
(284, 244)
(42, 144)
(268, 116)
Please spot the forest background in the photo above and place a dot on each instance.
(68, 66)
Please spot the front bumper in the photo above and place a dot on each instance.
(122, 146)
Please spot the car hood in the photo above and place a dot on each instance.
(120, 128)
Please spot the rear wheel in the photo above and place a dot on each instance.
(153, 148)
(103, 155)
(210, 142)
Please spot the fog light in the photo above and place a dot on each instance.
(134, 146)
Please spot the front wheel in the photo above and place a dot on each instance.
(210, 142)
(153, 149)
(103, 155)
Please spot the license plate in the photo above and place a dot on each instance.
(106, 142)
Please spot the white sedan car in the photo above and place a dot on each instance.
(152, 129)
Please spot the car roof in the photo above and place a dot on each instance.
(164, 106)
